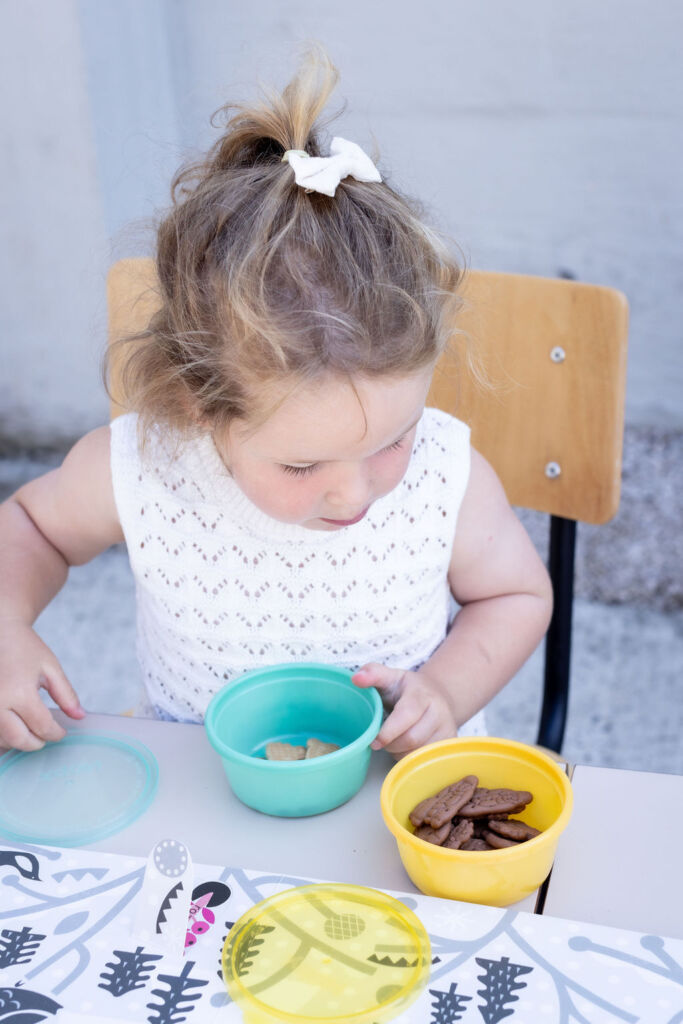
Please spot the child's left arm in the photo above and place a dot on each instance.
(504, 591)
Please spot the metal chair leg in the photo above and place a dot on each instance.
(558, 640)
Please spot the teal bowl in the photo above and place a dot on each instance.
(291, 704)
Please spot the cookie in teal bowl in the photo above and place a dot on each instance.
(293, 704)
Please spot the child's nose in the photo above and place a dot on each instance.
(350, 489)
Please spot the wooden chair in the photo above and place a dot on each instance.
(551, 424)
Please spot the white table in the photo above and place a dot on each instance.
(88, 901)
(619, 861)
(194, 803)
(612, 867)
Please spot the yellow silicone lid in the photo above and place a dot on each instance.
(326, 952)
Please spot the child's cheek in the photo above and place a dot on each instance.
(288, 500)
(288, 507)
(390, 471)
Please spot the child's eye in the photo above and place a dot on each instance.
(306, 470)
(298, 470)
(395, 445)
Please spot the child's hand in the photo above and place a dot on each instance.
(26, 665)
(420, 711)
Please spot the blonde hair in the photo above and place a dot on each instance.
(262, 284)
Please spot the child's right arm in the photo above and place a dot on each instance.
(63, 518)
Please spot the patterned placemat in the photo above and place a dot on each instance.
(103, 937)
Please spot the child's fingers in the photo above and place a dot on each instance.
(406, 720)
(16, 733)
(425, 723)
(61, 691)
(429, 729)
(381, 676)
(387, 680)
(39, 721)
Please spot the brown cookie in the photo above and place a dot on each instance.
(495, 801)
(460, 833)
(433, 835)
(483, 823)
(419, 813)
(496, 841)
(318, 748)
(476, 844)
(513, 829)
(284, 752)
(448, 802)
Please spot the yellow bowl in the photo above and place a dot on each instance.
(495, 877)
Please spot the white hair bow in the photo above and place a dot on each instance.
(323, 173)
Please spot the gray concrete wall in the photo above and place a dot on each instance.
(543, 137)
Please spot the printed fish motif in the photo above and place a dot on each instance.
(20, 1005)
(12, 859)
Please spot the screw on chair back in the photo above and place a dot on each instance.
(551, 423)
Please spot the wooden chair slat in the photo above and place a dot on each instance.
(132, 299)
(539, 411)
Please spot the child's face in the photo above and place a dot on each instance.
(329, 450)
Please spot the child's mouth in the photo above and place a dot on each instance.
(347, 522)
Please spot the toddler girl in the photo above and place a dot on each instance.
(283, 492)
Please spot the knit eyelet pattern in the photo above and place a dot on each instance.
(223, 588)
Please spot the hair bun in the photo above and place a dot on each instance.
(259, 134)
(261, 282)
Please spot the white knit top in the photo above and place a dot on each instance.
(222, 588)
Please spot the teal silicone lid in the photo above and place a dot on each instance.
(77, 791)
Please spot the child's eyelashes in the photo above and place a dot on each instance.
(307, 470)
(299, 470)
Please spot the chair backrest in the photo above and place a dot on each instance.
(132, 299)
(552, 422)
(552, 427)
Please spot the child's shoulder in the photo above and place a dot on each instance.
(443, 429)
(73, 505)
(150, 444)
(159, 460)
(125, 444)
(441, 454)
(125, 431)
